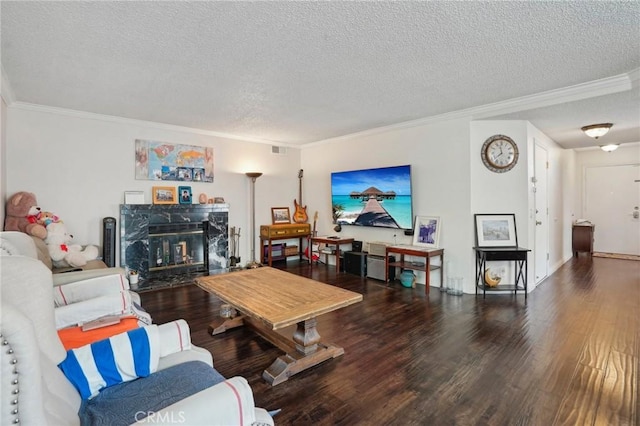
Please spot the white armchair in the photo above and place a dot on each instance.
(36, 392)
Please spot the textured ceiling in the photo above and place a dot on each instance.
(299, 72)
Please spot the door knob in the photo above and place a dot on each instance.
(538, 222)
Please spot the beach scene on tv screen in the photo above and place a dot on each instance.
(373, 197)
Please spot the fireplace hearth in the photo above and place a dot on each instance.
(172, 244)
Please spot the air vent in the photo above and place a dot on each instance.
(278, 150)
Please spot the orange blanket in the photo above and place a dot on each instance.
(74, 337)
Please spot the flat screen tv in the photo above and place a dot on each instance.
(373, 197)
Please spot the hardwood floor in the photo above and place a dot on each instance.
(568, 355)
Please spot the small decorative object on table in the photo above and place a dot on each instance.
(491, 280)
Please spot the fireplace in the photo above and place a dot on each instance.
(172, 244)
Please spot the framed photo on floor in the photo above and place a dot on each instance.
(426, 231)
(185, 195)
(496, 230)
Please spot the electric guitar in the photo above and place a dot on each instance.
(300, 215)
(314, 254)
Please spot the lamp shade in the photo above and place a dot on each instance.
(610, 147)
(597, 130)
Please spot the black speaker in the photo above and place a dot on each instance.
(355, 262)
(356, 246)
(109, 241)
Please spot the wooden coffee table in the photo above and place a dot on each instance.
(270, 299)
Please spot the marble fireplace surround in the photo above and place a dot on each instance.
(201, 228)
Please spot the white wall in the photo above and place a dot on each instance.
(79, 166)
(3, 155)
(449, 181)
(439, 157)
(625, 155)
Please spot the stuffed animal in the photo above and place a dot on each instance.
(22, 215)
(62, 252)
(47, 218)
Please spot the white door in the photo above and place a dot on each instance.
(612, 204)
(541, 249)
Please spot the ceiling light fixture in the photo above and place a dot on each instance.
(610, 147)
(597, 130)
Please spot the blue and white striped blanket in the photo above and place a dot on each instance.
(120, 358)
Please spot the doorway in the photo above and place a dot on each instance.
(612, 204)
(541, 248)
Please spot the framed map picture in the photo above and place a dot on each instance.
(166, 161)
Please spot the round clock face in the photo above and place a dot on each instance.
(499, 153)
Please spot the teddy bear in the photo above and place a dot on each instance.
(22, 213)
(47, 218)
(63, 253)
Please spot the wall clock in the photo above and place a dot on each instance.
(499, 153)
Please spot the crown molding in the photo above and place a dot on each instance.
(605, 86)
(592, 89)
(142, 123)
(5, 88)
(634, 76)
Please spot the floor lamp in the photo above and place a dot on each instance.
(253, 263)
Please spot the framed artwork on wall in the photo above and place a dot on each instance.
(185, 196)
(496, 230)
(155, 160)
(164, 195)
(426, 231)
(280, 215)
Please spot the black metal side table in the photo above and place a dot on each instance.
(516, 254)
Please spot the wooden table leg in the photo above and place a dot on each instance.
(220, 325)
(305, 352)
(427, 277)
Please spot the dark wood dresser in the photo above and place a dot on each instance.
(582, 238)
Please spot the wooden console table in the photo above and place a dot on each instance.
(516, 254)
(417, 251)
(331, 241)
(271, 233)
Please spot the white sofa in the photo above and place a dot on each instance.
(80, 296)
(34, 390)
(34, 247)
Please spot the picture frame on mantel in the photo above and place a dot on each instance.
(496, 230)
(184, 194)
(134, 197)
(426, 231)
(164, 195)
